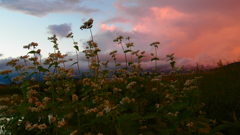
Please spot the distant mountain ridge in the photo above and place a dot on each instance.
(231, 66)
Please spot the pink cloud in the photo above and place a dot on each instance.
(202, 33)
(197, 32)
(105, 27)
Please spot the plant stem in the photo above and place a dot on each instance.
(117, 126)
(156, 60)
(96, 70)
(125, 54)
(78, 123)
(78, 65)
(77, 59)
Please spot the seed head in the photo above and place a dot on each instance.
(87, 24)
(70, 35)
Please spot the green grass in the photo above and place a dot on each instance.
(221, 91)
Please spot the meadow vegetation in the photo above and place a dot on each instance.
(124, 101)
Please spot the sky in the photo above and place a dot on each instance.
(196, 31)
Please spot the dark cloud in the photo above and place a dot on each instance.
(105, 40)
(3, 63)
(44, 7)
(1, 55)
(61, 30)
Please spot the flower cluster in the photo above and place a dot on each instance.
(126, 100)
(131, 84)
(5, 72)
(87, 24)
(29, 126)
(18, 78)
(13, 62)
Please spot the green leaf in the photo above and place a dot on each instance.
(219, 128)
(167, 131)
(41, 69)
(24, 89)
(74, 63)
(126, 117)
(135, 116)
(148, 133)
(105, 72)
(224, 127)
(55, 95)
(91, 55)
(32, 52)
(177, 106)
(102, 119)
(172, 64)
(96, 51)
(155, 58)
(171, 118)
(123, 118)
(184, 114)
(6, 77)
(130, 127)
(130, 63)
(32, 74)
(127, 51)
(50, 65)
(22, 108)
(151, 115)
(96, 65)
(15, 119)
(139, 57)
(76, 47)
(160, 108)
(64, 132)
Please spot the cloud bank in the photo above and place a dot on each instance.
(43, 7)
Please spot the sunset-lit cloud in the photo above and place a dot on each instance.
(105, 27)
(196, 31)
